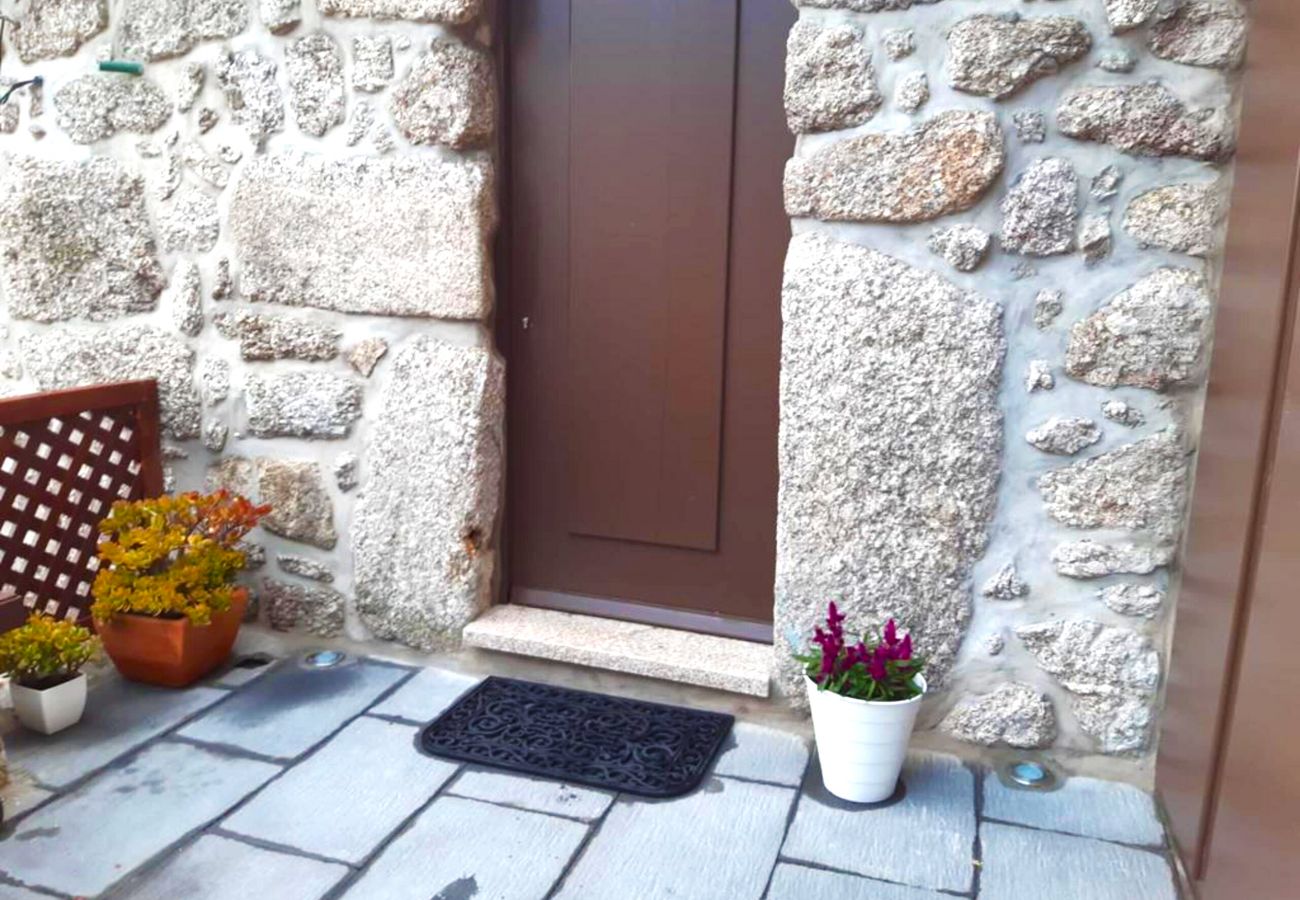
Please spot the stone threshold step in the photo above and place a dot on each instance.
(727, 664)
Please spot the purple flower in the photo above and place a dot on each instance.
(835, 620)
(904, 652)
(828, 666)
(877, 665)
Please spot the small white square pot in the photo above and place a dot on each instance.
(52, 709)
(861, 744)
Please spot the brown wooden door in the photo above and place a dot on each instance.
(1228, 771)
(645, 243)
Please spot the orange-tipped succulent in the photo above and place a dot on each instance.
(173, 556)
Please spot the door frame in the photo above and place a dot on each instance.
(503, 334)
(1238, 442)
(498, 16)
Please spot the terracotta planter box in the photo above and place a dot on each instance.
(171, 652)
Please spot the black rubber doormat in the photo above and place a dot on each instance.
(579, 737)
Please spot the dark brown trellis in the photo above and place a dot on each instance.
(65, 457)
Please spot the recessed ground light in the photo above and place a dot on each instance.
(1028, 775)
(323, 659)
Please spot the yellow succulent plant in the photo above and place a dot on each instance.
(46, 651)
(173, 556)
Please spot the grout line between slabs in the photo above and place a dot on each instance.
(762, 781)
(277, 847)
(822, 867)
(517, 808)
(359, 871)
(593, 829)
(1157, 849)
(789, 821)
(977, 847)
(6, 881)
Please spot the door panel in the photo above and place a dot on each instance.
(1227, 756)
(1251, 848)
(646, 238)
(652, 86)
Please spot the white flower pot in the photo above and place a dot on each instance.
(861, 743)
(52, 709)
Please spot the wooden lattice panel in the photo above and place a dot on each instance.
(65, 458)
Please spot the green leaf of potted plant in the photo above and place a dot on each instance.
(864, 698)
(43, 660)
(166, 606)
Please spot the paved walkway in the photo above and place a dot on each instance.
(292, 784)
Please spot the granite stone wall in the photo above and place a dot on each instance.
(287, 220)
(997, 309)
(998, 306)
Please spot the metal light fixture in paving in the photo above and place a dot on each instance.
(324, 659)
(1028, 775)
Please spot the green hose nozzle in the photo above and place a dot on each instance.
(126, 67)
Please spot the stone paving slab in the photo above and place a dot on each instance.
(763, 754)
(791, 882)
(425, 696)
(719, 843)
(217, 868)
(537, 794)
(1085, 806)
(287, 712)
(82, 843)
(346, 798)
(925, 840)
(1024, 864)
(462, 848)
(120, 716)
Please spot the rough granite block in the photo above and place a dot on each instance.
(83, 843)
(461, 848)
(924, 840)
(76, 241)
(869, 341)
(1023, 864)
(424, 697)
(396, 237)
(120, 716)
(383, 778)
(538, 794)
(763, 754)
(1086, 806)
(718, 843)
(423, 530)
(291, 710)
(791, 882)
(204, 869)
